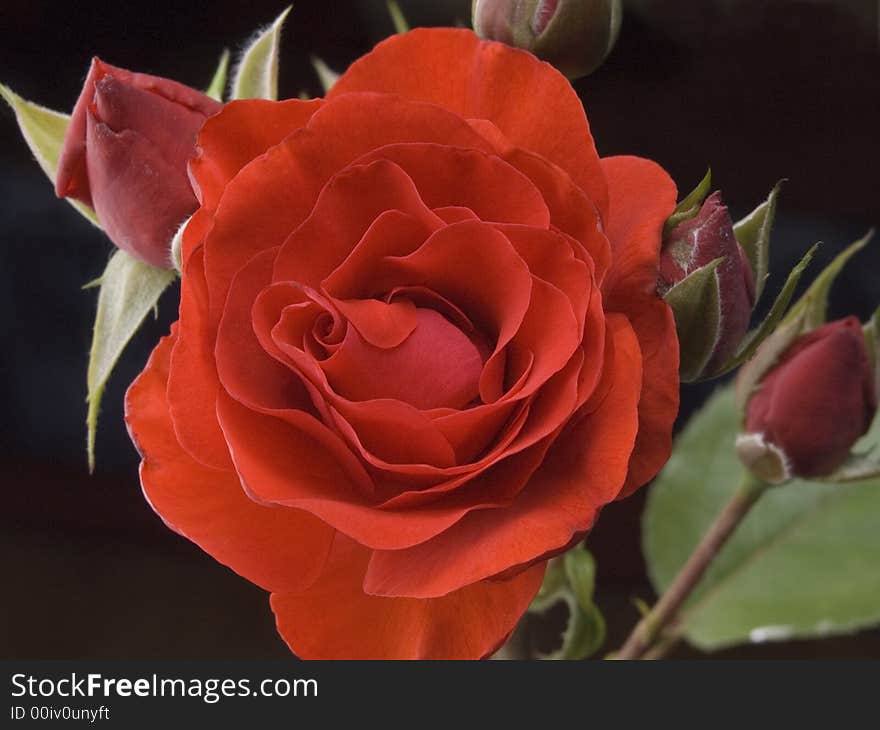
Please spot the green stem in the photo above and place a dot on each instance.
(666, 609)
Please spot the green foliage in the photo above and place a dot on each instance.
(218, 81)
(44, 129)
(570, 579)
(803, 564)
(256, 76)
(690, 205)
(130, 289)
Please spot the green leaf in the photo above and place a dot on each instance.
(130, 289)
(696, 305)
(44, 130)
(753, 234)
(803, 564)
(397, 17)
(752, 341)
(570, 579)
(691, 204)
(256, 76)
(326, 75)
(218, 82)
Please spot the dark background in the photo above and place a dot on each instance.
(759, 90)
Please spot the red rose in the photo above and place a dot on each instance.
(419, 348)
(125, 154)
(818, 401)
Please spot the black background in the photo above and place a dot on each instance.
(759, 90)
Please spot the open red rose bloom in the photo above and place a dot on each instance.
(419, 348)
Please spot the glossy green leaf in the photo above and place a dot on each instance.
(130, 289)
(803, 564)
(690, 205)
(753, 234)
(218, 82)
(397, 17)
(44, 129)
(696, 305)
(256, 76)
(326, 75)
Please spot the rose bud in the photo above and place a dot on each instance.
(812, 406)
(709, 329)
(125, 154)
(573, 35)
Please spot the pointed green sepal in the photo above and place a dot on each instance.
(44, 129)
(129, 291)
(177, 247)
(753, 340)
(218, 81)
(753, 234)
(326, 75)
(397, 17)
(690, 204)
(696, 305)
(570, 579)
(814, 303)
(807, 314)
(256, 76)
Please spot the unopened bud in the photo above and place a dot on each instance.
(125, 154)
(713, 315)
(809, 410)
(573, 35)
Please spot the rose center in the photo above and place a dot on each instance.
(435, 365)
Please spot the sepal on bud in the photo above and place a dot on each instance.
(256, 75)
(44, 130)
(714, 338)
(810, 392)
(706, 279)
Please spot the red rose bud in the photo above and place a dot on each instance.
(690, 246)
(812, 406)
(125, 154)
(573, 35)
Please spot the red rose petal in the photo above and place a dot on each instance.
(529, 101)
(278, 549)
(192, 379)
(435, 366)
(317, 247)
(335, 619)
(241, 132)
(584, 469)
(642, 198)
(484, 184)
(256, 212)
(247, 372)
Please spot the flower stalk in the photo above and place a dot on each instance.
(652, 626)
